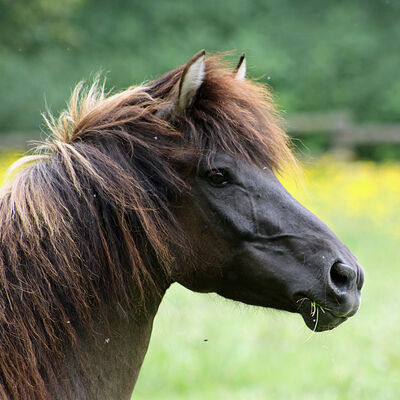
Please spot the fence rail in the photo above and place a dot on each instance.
(18, 140)
(344, 132)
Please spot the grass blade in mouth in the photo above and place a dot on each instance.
(315, 310)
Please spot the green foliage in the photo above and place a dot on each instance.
(312, 143)
(31, 25)
(380, 152)
(315, 55)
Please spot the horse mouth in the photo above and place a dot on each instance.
(317, 317)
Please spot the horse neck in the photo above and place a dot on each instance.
(109, 364)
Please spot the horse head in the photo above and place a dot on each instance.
(258, 245)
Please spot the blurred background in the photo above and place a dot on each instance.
(333, 67)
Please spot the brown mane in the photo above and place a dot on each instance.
(91, 219)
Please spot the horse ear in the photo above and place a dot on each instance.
(191, 80)
(240, 70)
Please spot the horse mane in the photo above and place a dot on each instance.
(88, 220)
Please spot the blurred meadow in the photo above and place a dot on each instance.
(316, 57)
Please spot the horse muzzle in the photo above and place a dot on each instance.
(341, 299)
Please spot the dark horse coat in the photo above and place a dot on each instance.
(168, 182)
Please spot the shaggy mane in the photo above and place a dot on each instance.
(91, 222)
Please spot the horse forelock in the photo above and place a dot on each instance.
(94, 213)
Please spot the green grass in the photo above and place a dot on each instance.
(253, 353)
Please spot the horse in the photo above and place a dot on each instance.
(171, 181)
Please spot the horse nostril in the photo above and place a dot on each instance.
(360, 278)
(342, 276)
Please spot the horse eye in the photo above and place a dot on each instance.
(217, 178)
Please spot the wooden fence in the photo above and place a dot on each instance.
(344, 133)
(18, 140)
